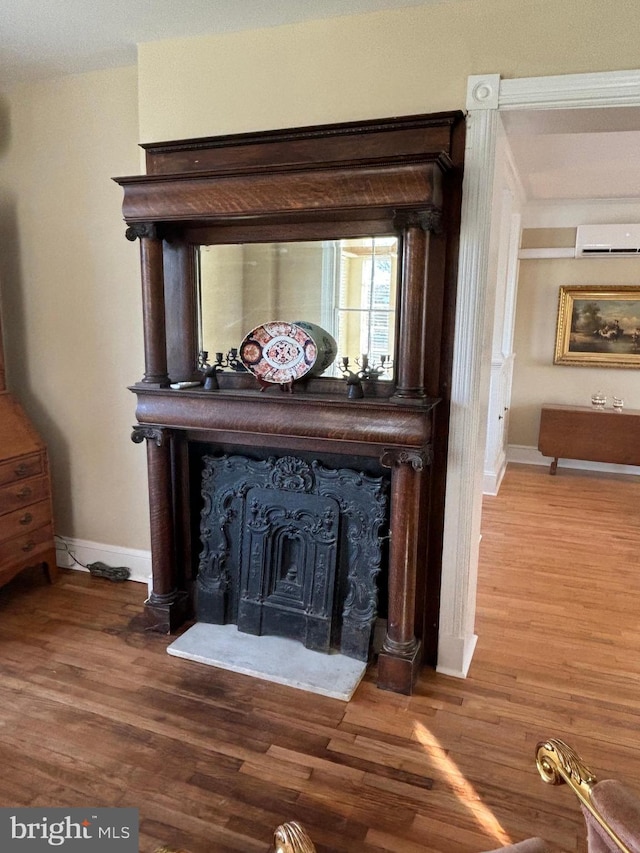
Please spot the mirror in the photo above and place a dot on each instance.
(348, 287)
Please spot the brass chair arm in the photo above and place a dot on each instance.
(558, 763)
(291, 838)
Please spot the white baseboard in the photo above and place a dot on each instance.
(491, 479)
(526, 455)
(455, 655)
(138, 562)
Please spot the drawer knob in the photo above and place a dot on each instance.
(29, 546)
(27, 518)
(22, 469)
(25, 492)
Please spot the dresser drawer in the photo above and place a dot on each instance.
(21, 468)
(27, 548)
(19, 494)
(24, 520)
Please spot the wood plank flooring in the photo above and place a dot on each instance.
(94, 712)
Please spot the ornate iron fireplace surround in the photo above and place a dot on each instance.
(291, 548)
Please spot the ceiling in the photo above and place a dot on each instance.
(46, 38)
(586, 155)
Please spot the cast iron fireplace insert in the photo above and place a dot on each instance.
(292, 546)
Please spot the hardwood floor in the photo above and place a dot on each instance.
(94, 712)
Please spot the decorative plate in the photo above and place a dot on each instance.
(282, 352)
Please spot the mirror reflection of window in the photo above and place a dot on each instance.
(347, 287)
(366, 298)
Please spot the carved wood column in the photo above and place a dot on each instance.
(410, 361)
(399, 660)
(166, 604)
(153, 309)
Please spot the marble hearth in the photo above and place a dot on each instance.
(276, 659)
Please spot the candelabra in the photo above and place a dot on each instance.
(373, 370)
(229, 360)
(368, 371)
(222, 360)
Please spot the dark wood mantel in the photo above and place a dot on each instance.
(290, 420)
(391, 176)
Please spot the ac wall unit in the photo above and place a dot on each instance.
(606, 241)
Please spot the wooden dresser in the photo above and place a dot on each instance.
(26, 522)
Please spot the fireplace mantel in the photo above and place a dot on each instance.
(388, 177)
(289, 421)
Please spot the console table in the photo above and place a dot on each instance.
(580, 432)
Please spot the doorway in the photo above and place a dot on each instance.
(489, 98)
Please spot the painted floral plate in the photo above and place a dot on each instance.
(281, 352)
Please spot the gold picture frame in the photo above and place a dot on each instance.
(598, 326)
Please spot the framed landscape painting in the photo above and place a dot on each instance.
(598, 326)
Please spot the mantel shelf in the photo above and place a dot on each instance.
(365, 426)
(293, 398)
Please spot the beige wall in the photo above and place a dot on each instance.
(71, 294)
(69, 279)
(394, 62)
(536, 379)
